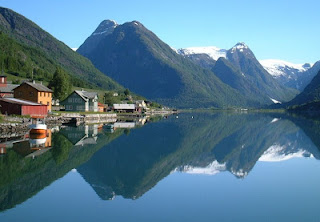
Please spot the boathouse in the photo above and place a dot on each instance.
(10, 106)
(124, 108)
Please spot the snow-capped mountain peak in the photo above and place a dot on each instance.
(240, 45)
(212, 51)
(105, 27)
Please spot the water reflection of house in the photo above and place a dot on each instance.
(3, 149)
(124, 125)
(141, 121)
(81, 135)
(27, 145)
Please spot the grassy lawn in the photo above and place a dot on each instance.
(81, 113)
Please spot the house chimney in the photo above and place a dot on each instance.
(33, 81)
(3, 81)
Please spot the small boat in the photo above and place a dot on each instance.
(109, 126)
(38, 126)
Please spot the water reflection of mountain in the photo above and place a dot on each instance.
(132, 163)
(198, 143)
(263, 138)
(23, 177)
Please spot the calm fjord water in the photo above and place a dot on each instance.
(197, 167)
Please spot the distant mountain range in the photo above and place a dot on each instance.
(139, 60)
(239, 68)
(296, 76)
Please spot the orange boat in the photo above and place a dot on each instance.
(38, 126)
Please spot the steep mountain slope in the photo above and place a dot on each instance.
(296, 76)
(27, 33)
(310, 94)
(243, 58)
(18, 59)
(139, 60)
(238, 80)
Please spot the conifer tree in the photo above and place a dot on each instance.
(60, 84)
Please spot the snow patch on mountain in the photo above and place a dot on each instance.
(213, 168)
(212, 51)
(279, 68)
(105, 27)
(175, 50)
(277, 153)
(239, 173)
(275, 120)
(275, 101)
(100, 33)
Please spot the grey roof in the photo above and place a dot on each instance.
(9, 88)
(124, 106)
(39, 87)
(21, 102)
(86, 95)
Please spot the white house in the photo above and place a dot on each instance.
(81, 100)
(124, 107)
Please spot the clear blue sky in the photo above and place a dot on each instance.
(273, 29)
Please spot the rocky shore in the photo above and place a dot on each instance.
(18, 126)
(8, 130)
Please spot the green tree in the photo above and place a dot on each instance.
(60, 84)
(126, 92)
(109, 99)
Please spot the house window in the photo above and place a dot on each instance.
(80, 108)
(31, 94)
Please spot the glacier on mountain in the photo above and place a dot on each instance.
(213, 168)
(214, 52)
(279, 68)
